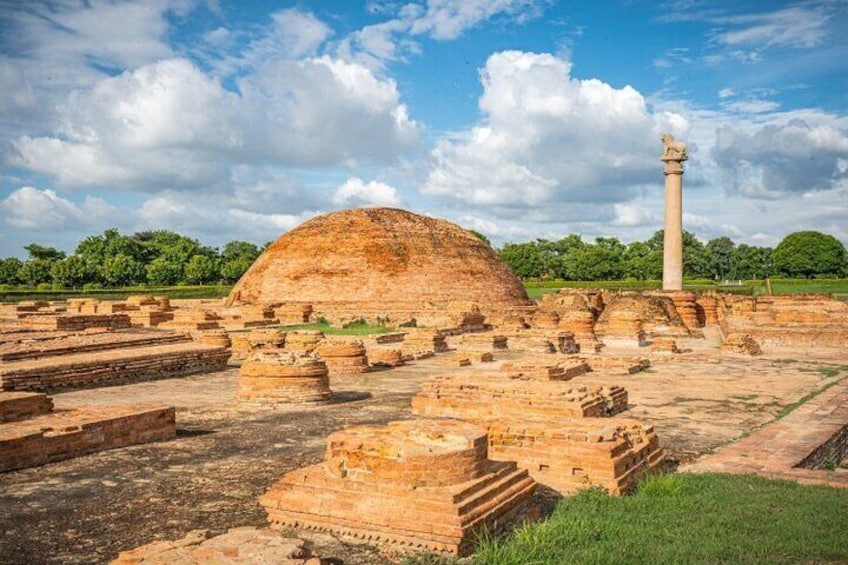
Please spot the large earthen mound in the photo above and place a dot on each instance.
(379, 256)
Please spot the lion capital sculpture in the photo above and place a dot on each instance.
(674, 150)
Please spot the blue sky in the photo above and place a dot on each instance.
(519, 118)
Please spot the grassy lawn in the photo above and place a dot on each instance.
(838, 287)
(354, 328)
(205, 291)
(683, 518)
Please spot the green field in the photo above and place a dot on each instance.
(535, 289)
(205, 291)
(683, 518)
(838, 287)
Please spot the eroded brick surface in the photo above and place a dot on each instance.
(64, 433)
(239, 546)
(419, 483)
(275, 376)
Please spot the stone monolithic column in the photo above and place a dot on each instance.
(673, 158)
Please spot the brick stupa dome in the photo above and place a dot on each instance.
(376, 258)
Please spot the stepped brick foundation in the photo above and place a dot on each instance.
(239, 546)
(344, 357)
(487, 395)
(283, 377)
(424, 484)
(78, 322)
(16, 406)
(423, 342)
(545, 369)
(64, 433)
(306, 341)
(568, 454)
(813, 321)
(384, 355)
(111, 366)
(623, 365)
(37, 345)
(687, 308)
(481, 342)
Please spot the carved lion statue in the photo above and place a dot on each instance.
(673, 149)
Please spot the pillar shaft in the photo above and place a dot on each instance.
(673, 234)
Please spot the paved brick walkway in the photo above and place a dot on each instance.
(775, 449)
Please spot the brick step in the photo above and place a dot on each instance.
(88, 343)
(102, 368)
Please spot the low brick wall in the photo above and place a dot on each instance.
(112, 367)
(70, 433)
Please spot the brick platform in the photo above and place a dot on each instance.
(66, 433)
(486, 395)
(344, 357)
(239, 546)
(283, 377)
(424, 484)
(99, 368)
(16, 406)
(567, 454)
(784, 449)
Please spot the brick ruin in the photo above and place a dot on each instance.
(562, 434)
(812, 321)
(423, 484)
(427, 483)
(283, 377)
(51, 361)
(33, 433)
(380, 264)
(238, 546)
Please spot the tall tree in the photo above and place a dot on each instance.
(72, 272)
(201, 270)
(720, 254)
(9, 269)
(810, 253)
(43, 253)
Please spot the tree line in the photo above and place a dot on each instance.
(159, 258)
(803, 254)
(166, 258)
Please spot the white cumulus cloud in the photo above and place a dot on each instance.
(34, 209)
(548, 137)
(356, 192)
(168, 125)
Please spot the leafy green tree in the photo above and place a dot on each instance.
(9, 268)
(72, 272)
(642, 263)
(525, 259)
(751, 262)
(35, 271)
(810, 253)
(164, 272)
(236, 249)
(720, 253)
(42, 253)
(604, 260)
(233, 269)
(201, 269)
(696, 261)
(122, 270)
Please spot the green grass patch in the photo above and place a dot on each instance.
(788, 409)
(204, 291)
(353, 328)
(685, 518)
